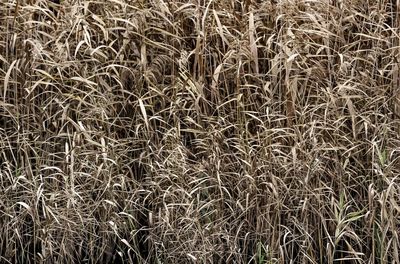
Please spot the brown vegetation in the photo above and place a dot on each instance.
(199, 131)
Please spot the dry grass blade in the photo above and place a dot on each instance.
(199, 131)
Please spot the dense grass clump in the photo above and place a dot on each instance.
(199, 131)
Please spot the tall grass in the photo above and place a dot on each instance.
(199, 131)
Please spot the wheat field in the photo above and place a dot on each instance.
(199, 131)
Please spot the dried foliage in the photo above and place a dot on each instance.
(199, 131)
